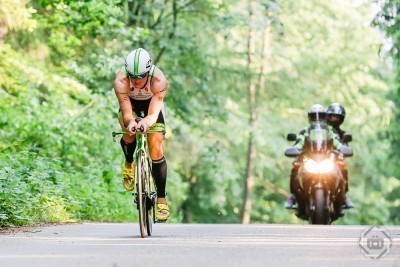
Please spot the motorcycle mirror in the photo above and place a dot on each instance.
(292, 152)
(291, 137)
(346, 151)
(347, 138)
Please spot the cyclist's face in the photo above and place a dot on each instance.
(139, 82)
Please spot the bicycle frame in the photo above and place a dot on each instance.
(141, 139)
(141, 144)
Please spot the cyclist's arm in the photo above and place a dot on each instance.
(121, 89)
(159, 89)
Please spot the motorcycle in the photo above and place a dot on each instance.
(320, 186)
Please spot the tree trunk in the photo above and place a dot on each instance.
(172, 33)
(251, 94)
(266, 53)
(254, 91)
(186, 205)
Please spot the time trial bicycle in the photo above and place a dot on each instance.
(145, 195)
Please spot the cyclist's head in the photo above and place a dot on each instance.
(138, 63)
(336, 114)
(316, 113)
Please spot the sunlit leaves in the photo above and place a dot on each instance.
(17, 15)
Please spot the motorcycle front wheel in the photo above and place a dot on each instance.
(320, 213)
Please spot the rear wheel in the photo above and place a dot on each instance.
(320, 214)
(141, 196)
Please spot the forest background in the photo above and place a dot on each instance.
(241, 74)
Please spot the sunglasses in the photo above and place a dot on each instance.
(140, 76)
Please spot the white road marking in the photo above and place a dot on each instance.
(43, 256)
(277, 226)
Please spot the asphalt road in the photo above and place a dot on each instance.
(112, 245)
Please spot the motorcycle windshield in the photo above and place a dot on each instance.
(318, 140)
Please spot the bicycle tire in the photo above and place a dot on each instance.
(141, 197)
(150, 205)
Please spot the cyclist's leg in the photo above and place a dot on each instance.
(159, 170)
(128, 145)
(159, 167)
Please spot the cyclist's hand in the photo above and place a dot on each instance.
(132, 127)
(143, 123)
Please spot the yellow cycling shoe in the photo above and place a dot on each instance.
(128, 178)
(162, 213)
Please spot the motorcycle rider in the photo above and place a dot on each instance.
(316, 113)
(336, 114)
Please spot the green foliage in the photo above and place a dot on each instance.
(16, 16)
(55, 179)
(29, 190)
(388, 20)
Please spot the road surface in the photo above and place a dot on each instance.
(119, 245)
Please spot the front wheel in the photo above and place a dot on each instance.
(141, 193)
(320, 213)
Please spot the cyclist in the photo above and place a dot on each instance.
(336, 115)
(140, 90)
(316, 113)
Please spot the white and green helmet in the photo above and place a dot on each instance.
(138, 62)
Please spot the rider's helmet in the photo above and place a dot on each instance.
(316, 113)
(335, 109)
(138, 63)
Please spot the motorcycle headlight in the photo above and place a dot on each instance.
(326, 166)
(318, 167)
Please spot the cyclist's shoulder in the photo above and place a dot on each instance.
(158, 79)
(156, 72)
(121, 83)
(120, 73)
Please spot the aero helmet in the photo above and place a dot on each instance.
(138, 63)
